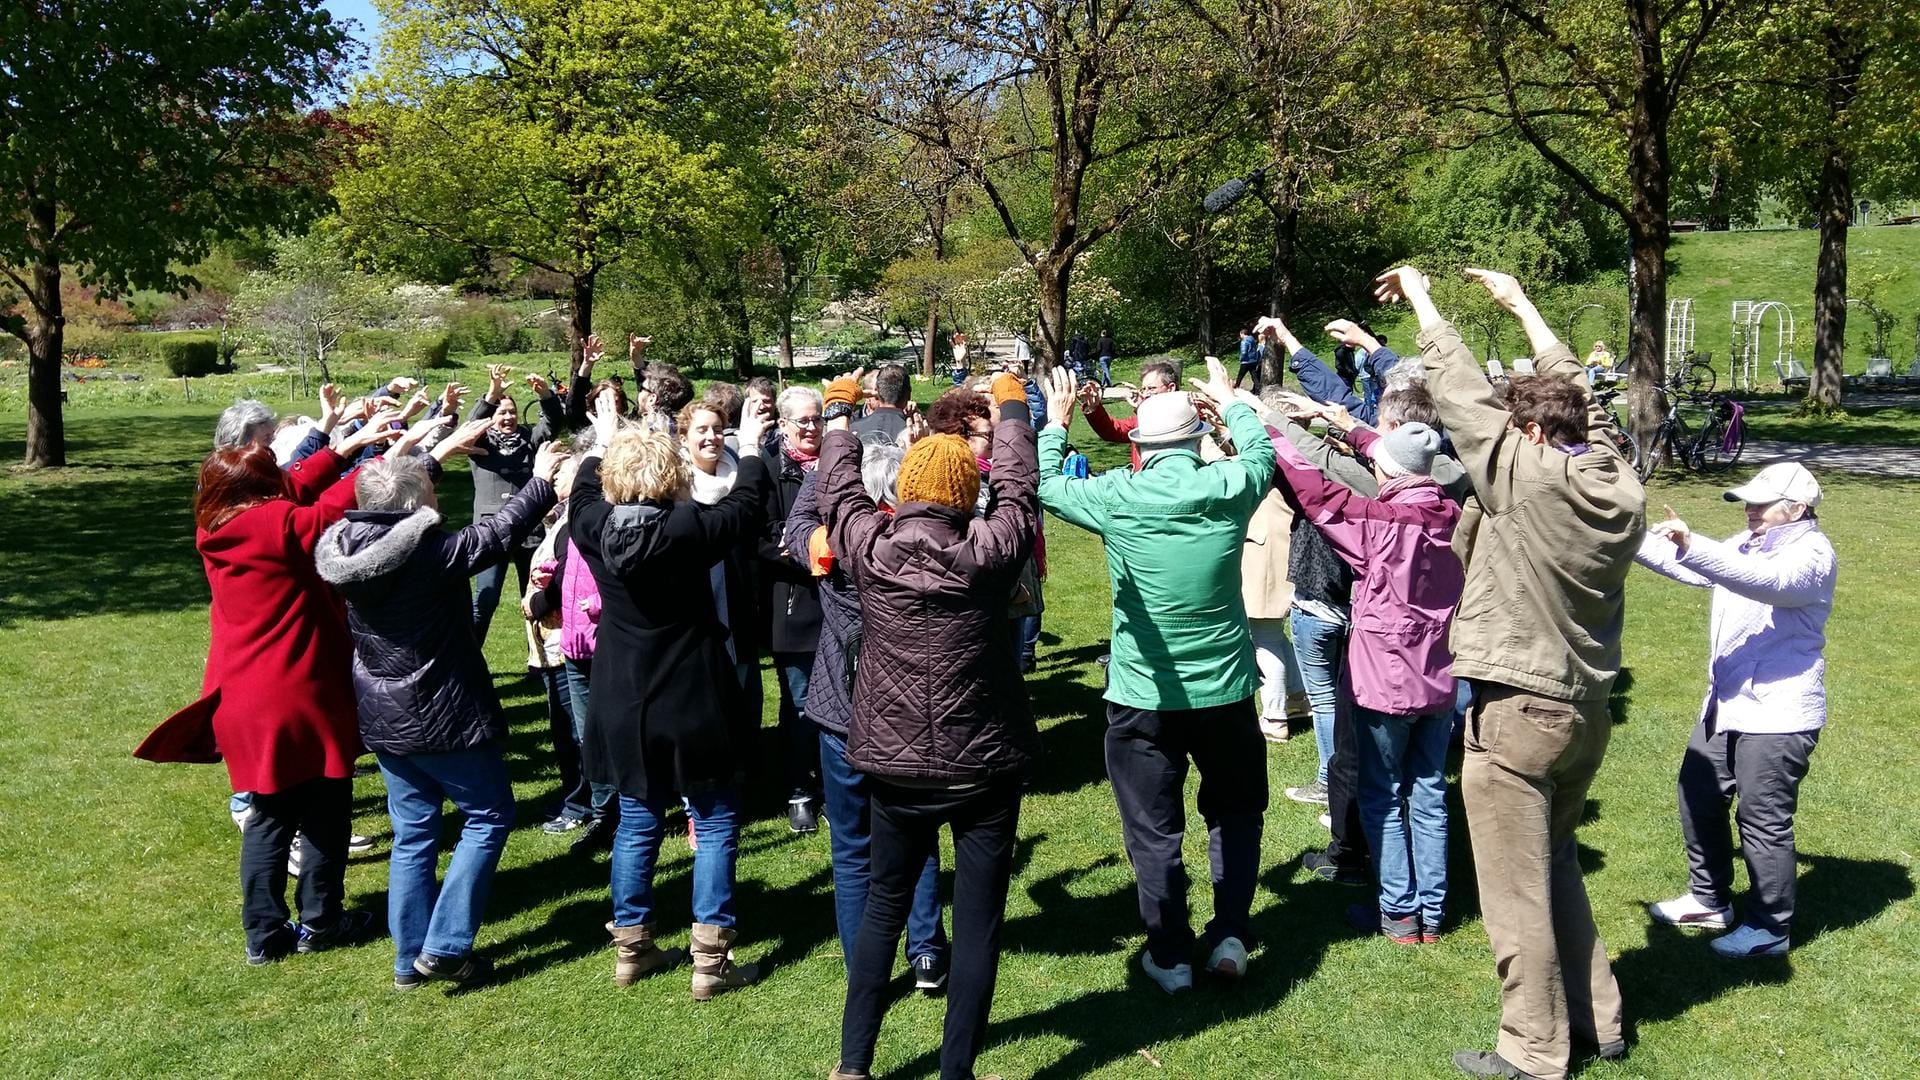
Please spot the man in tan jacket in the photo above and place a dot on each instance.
(1537, 634)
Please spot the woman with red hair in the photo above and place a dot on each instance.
(278, 690)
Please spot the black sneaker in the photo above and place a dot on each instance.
(929, 973)
(276, 948)
(459, 970)
(1488, 1063)
(564, 823)
(408, 980)
(800, 815)
(350, 927)
(595, 835)
(1326, 868)
(1401, 929)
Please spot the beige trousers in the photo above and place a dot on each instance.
(1529, 762)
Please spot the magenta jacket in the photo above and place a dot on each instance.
(1407, 581)
(579, 606)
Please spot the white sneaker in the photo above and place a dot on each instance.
(294, 855)
(241, 817)
(1229, 959)
(1173, 980)
(1687, 910)
(1326, 822)
(1747, 941)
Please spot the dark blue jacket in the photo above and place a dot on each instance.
(1322, 384)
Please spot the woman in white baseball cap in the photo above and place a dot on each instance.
(1766, 701)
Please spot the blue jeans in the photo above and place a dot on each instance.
(850, 811)
(797, 749)
(1029, 637)
(636, 849)
(1403, 807)
(579, 686)
(564, 730)
(1321, 648)
(1106, 371)
(442, 920)
(490, 582)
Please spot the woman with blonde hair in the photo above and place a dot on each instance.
(665, 683)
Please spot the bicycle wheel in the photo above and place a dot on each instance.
(1700, 378)
(1719, 446)
(1629, 446)
(1645, 460)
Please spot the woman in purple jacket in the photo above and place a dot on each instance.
(1766, 701)
(1399, 679)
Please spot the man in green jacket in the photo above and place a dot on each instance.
(1547, 548)
(1182, 680)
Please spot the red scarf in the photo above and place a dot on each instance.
(801, 458)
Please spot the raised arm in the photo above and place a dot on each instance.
(488, 542)
(311, 476)
(1658, 554)
(1006, 534)
(1799, 576)
(1068, 498)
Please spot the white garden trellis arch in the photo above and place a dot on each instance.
(1679, 336)
(1749, 324)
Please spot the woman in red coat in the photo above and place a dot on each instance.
(278, 685)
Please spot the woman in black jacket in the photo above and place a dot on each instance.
(426, 702)
(502, 463)
(661, 718)
(791, 600)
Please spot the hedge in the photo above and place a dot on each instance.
(188, 357)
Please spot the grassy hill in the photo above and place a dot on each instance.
(1716, 269)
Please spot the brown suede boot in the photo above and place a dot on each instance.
(636, 956)
(713, 971)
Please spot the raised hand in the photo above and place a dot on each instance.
(497, 375)
(1060, 393)
(917, 427)
(1337, 416)
(538, 385)
(1090, 396)
(590, 353)
(331, 406)
(416, 404)
(400, 384)
(1217, 386)
(378, 429)
(463, 438)
(1349, 333)
(547, 461)
(451, 396)
(1299, 407)
(418, 433)
(1400, 283)
(606, 417)
(636, 345)
(755, 418)
(357, 409)
(1504, 288)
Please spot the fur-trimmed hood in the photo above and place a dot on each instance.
(371, 544)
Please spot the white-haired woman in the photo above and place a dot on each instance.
(665, 684)
(791, 600)
(1766, 701)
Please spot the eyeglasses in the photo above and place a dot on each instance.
(801, 421)
(1159, 388)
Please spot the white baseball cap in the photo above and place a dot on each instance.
(1783, 480)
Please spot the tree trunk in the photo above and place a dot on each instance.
(1830, 281)
(46, 424)
(1286, 264)
(1055, 273)
(1825, 385)
(930, 346)
(785, 362)
(1648, 225)
(734, 304)
(1718, 219)
(1203, 298)
(580, 319)
(937, 229)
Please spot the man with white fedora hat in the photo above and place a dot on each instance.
(1182, 681)
(1766, 702)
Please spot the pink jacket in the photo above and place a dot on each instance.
(1407, 581)
(579, 606)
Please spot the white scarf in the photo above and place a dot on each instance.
(711, 488)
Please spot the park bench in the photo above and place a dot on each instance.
(1792, 375)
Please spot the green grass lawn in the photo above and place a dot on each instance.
(122, 954)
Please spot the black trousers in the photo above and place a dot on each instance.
(322, 811)
(1147, 754)
(1764, 771)
(1348, 848)
(906, 828)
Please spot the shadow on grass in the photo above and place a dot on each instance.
(1675, 970)
(1110, 1026)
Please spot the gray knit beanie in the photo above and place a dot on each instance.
(1407, 450)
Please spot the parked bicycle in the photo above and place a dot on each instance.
(1713, 448)
(1622, 431)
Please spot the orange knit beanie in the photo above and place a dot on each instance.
(940, 469)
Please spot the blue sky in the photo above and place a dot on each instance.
(362, 11)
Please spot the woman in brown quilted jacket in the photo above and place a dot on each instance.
(940, 716)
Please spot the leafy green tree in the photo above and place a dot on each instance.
(567, 135)
(131, 135)
(1593, 86)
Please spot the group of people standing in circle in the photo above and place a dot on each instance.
(1445, 560)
